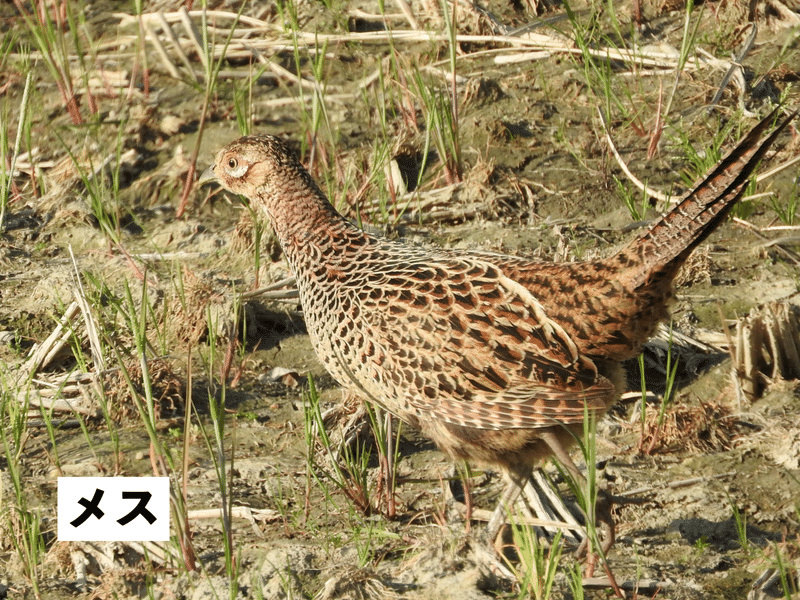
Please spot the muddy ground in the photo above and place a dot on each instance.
(719, 481)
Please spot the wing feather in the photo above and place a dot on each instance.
(463, 343)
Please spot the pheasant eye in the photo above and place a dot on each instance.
(232, 163)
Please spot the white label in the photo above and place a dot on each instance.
(113, 509)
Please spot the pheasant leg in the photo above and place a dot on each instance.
(603, 502)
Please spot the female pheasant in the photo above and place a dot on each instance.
(496, 358)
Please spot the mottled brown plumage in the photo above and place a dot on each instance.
(496, 358)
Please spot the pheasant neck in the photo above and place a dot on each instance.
(310, 230)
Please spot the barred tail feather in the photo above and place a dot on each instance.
(674, 236)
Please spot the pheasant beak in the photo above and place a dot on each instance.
(208, 176)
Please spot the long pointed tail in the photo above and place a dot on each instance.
(664, 248)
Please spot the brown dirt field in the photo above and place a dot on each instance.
(538, 180)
